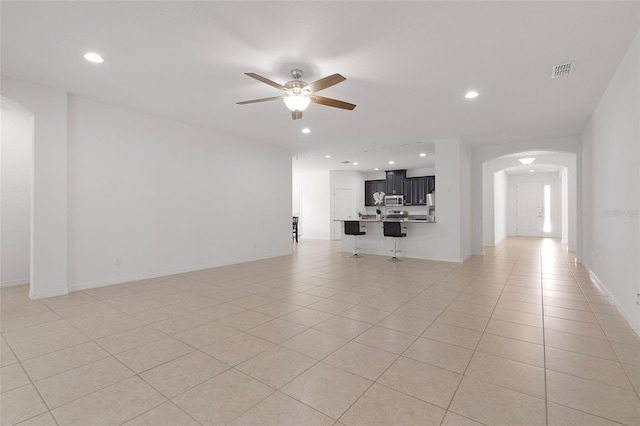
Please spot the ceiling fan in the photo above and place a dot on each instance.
(299, 94)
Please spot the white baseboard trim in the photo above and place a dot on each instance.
(13, 283)
(633, 322)
(60, 292)
(148, 276)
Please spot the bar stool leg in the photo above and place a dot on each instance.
(355, 247)
(395, 251)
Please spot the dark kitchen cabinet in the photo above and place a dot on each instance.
(395, 182)
(420, 186)
(370, 187)
(431, 184)
(409, 185)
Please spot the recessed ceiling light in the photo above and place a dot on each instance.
(391, 162)
(531, 171)
(306, 130)
(376, 168)
(94, 57)
(327, 156)
(471, 94)
(355, 164)
(422, 154)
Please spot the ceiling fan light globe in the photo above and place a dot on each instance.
(297, 103)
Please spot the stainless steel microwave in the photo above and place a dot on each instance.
(394, 200)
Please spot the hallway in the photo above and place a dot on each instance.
(519, 336)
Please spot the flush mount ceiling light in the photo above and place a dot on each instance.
(94, 57)
(471, 94)
(306, 131)
(527, 160)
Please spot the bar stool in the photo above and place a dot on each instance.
(294, 234)
(352, 227)
(393, 229)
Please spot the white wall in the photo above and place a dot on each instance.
(111, 183)
(612, 188)
(564, 183)
(500, 206)
(345, 179)
(552, 179)
(315, 202)
(160, 197)
(16, 152)
(465, 200)
(49, 191)
(447, 233)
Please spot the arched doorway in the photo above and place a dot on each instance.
(537, 199)
(482, 185)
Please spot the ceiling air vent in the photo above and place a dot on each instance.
(561, 70)
(345, 162)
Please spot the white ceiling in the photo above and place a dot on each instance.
(407, 66)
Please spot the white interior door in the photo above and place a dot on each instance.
(529, 209)
(342, 210)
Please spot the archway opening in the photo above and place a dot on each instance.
(537, 199)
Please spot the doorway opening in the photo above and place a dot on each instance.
(537, 200)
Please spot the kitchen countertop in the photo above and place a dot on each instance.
(393, 220)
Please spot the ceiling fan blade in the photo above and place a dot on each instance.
(296, 114)
(253, 101)
(332, 102)
(266, 80)
(323, 83)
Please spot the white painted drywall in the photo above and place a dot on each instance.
(446, 234)
(16, 153)
(345, 179)
(465, 200)
(315, 202)
(612, 188)
(49, 191)
(564, 183)
(151, 196)
(500, 206)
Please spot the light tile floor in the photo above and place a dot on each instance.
(519, 336)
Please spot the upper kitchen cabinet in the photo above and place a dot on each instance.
(409, 190)
(395, 182)
(370, 187)
(420, 187)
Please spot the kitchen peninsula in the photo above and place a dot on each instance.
(423, 240)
